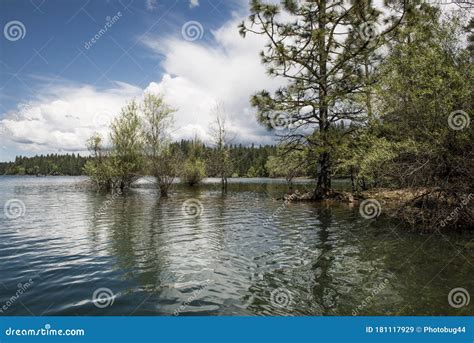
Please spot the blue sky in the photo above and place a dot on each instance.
(57, 86)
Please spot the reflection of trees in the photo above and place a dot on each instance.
(135, 240)
(307, 269)
(324, 292)
(126, 226)
(157, 245)
(95, 202)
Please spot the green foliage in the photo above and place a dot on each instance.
(100, 168)
(162, 162)
(242, 159)
(425, 80)
(51, 164)
(194, 170)
(323, 50)
(288, 164)
(252, 172)
(102, 173)
(220, 159)
(127, 145)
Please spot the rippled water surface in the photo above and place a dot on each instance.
(243, 253)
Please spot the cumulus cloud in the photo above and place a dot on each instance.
(196, 76)
(62, 118)
(193, 3)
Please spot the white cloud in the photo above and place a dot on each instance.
(196, 76)
(228, 71)
(193, 3)
(63, 118)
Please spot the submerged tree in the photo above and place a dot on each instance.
(127, 145)
(319, 48)
(222, 163)
(161, 162)
(99, 168)
(194, 169)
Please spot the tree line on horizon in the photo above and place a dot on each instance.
(251, 161)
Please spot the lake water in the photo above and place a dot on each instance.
(66, 250)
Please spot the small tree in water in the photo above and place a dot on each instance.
(194, 170)
(127, 145)
(222, 163)
(100, 168)
(162, 162)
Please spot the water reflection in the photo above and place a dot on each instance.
(245, 254)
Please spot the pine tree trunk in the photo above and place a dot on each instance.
(324, 175)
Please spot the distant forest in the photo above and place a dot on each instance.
(247, 161)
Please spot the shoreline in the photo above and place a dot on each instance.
(416, 207)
